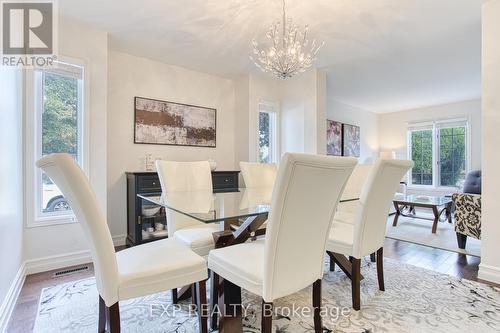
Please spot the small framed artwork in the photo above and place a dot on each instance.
(333, 138)
(351, 140)
(168, 123)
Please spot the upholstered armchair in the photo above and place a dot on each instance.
(468, 209)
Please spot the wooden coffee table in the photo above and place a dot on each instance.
(439, 206)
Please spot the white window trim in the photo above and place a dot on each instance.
(32, 147)
(435, 152)
(275, 106)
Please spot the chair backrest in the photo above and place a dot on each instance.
(258, 174)
(472, 183)
(74, 185)
(305, 196)
(183, 176)
(378, 192)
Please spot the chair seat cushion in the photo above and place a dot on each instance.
(157, 266)
(242, 264)
(198, 237)
(341, 238)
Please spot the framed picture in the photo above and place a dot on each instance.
(351, 140)
(333, 138)
(169, 123)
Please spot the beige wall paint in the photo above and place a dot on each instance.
(91, 46)
(366, 120)
(489, 268)
(11, 188)
(131, 76)
(393, 126)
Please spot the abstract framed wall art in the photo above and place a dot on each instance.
(333, 138)
(169, 123)
(351, 140)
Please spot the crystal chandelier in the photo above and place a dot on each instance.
(289, 53)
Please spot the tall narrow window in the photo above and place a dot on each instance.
(268, 133)
(57, 125)
(440, 153)
(421, 154)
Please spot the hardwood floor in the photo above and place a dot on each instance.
(459, 265)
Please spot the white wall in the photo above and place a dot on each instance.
(393, 126)
(366, 120)
(303, 113)
(11, 184)
(489, 268)
(131, 76)
(80, 42)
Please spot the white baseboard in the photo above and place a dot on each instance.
(10, 299)
(49, 263)
(489, 273)
(44, 264)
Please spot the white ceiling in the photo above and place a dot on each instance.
(380, 55)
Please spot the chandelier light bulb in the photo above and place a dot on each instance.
(288, 51)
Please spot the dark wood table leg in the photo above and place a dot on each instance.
(230, 308)
(396, 215)
(344, 264)
(436, 219)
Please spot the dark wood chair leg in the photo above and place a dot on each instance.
(230, 308)
(214, 298)
(201, 305)
(194, 300)
(175, 298)
(461, 240)
(332, 264)
(266, 325)
(318, 325)
(380, 269)
(356, 283)
(372, 257)
(102, 316)
(114, 318)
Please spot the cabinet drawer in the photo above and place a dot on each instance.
(224, 181)
(148, 184)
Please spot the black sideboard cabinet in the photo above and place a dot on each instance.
(139, 221)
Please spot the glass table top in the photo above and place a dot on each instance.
(209, 207)
(424, 199)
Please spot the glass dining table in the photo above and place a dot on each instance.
(242, 213)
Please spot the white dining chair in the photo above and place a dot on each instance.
(134, 272)
(188, 176)
(258, 174)
(290, 258)
(363, 233)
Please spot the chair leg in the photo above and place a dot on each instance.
(114, 318)
(356, 283)
(201, 305)
(266, 325)
(462, 240)
(175, 298)
(194, 292)
(318, 325)
(372, 257)
(332, 264)
(102, 316)
(380, 269)
(214, 298)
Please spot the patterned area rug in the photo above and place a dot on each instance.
(415, 300)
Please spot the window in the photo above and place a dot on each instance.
(55, 116)
(440, 153)
(268, 133)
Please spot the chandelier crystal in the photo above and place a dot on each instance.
(287, 52)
